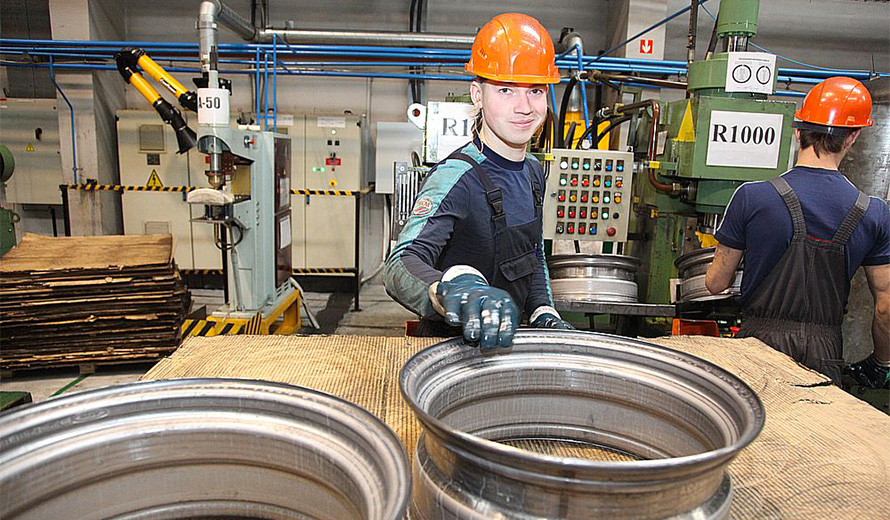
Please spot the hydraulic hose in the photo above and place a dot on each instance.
(563, 108)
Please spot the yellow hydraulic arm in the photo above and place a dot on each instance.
(129, 61)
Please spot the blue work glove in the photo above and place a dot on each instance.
(869, 372)
(546, 317)
(487, 314)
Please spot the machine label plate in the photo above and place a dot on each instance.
(213, 106)
(332, 122)
(744, 139)
(449, 126)
(751, 72)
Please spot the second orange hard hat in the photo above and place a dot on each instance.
(837, 102)
(514, 48)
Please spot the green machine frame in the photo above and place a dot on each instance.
(669, 218)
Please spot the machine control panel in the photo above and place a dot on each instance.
(588, 195)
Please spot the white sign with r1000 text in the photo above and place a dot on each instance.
(744, 139)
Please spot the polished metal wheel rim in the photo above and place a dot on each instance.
(193, 448)
(687, 417)
(602, 278)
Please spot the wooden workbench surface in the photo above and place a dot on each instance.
(823, 454)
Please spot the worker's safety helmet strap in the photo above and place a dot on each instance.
(514, 48)
(838, 102)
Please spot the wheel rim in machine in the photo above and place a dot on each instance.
(200, 448)
(603, 278)
(692, 268)
(678, 419)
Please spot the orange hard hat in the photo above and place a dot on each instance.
(836, 102)
(515, 48)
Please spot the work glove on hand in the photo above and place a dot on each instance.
(487, 314)
(546, 317)
(869, 372)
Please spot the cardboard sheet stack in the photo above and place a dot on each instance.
(89, 300)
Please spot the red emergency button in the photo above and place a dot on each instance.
(611, 232)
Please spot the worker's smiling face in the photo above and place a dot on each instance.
(512, 112)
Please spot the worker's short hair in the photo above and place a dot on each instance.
(823, 142)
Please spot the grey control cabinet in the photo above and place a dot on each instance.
(588, 195)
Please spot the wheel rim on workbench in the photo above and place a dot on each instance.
(601, 278)
(692, 268)
(684, 417)
(200, 448)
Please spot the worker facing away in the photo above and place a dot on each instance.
(804, 235)
(470, 258)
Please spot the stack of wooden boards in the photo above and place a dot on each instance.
(89, 300)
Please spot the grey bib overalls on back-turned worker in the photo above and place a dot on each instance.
(798, 309)
(516, 250)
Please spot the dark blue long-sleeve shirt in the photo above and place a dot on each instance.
(451, 225)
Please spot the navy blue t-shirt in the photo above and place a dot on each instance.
(758, 222)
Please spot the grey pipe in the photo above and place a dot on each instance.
(571, 40)
(211, 12)
(381, 38)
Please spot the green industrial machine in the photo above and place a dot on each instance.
(8, 218)
(726, 133)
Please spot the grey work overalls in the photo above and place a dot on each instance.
(799, 308)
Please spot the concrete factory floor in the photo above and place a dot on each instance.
(379, 316)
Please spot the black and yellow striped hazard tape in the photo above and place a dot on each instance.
(301, 270)
(201, 271)
(207, 328)
(186, 189)
(324, 270)
(255, 325)
(118, 187)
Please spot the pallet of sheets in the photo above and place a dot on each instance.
(89, 300)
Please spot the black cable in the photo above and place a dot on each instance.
(412, 15)
(712, 43)
(613, 124)
(592, 128)
(563, 108)
(570, 135)
(418, 23)
(589, 130)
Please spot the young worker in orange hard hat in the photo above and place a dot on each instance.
(470, 258)
(804, 235)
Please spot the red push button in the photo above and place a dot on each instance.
(611, 232)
